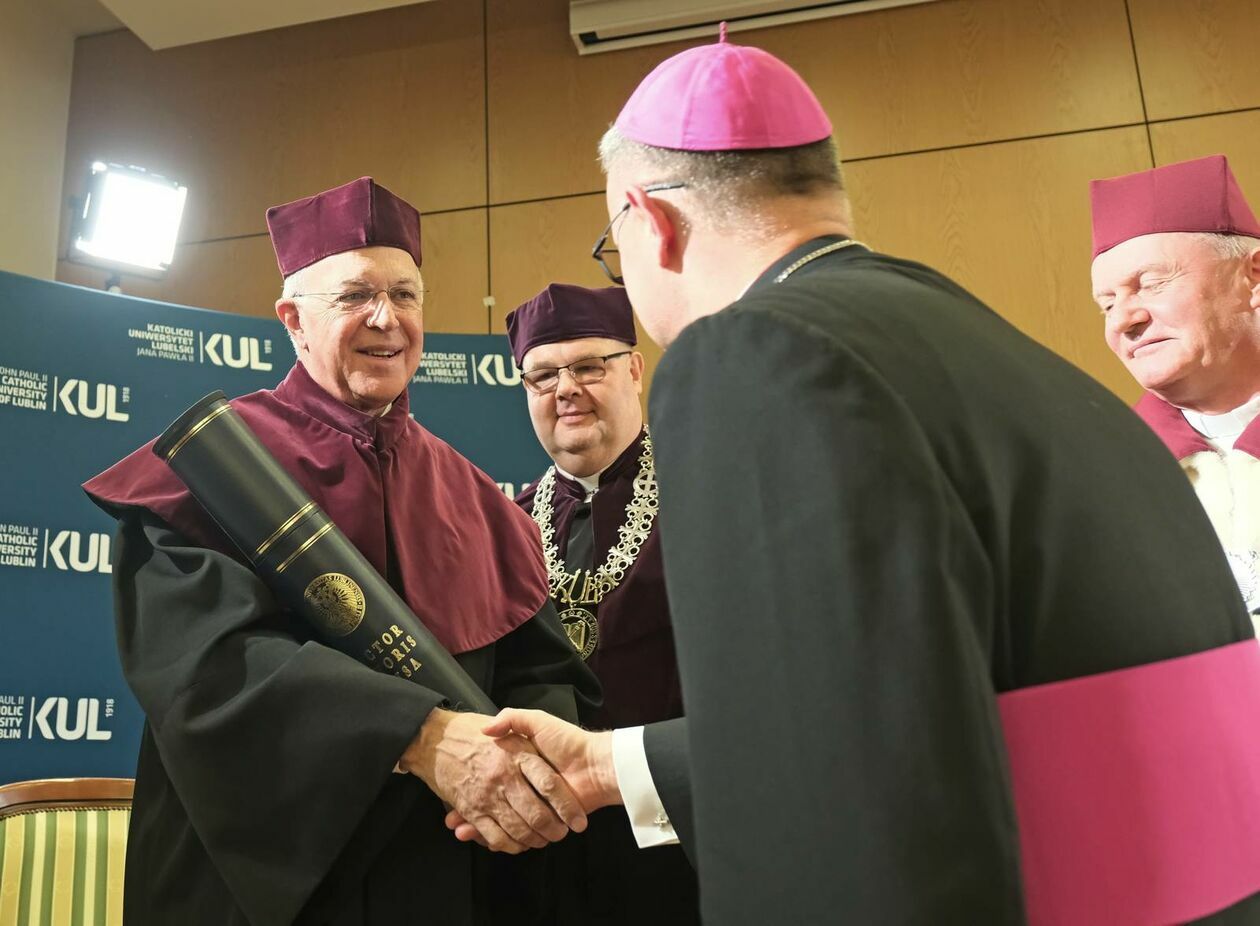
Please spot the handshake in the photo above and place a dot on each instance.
(513, 782)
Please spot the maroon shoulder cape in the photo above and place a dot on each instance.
(1170, 426)
(465, 559)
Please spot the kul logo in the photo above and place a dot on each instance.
(52, 719)
(241, 353)
(70, 552)
(91, 400)
(492, 369)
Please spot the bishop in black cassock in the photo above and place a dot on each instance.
(957, 643)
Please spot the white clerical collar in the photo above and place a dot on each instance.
(1222, 430)
(589, 483)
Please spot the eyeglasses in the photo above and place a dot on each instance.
(403, 298)
(610, 258)
(543, 380)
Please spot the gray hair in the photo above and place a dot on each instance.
(728, 187)
(292, 286)
(1236, 247)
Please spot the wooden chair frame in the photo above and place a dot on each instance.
(65, 794)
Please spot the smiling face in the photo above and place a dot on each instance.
(584, 427)
(1181, 317)
(365, 357)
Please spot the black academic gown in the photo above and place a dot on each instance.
(601, 877)
(265, 790)
(882, 506)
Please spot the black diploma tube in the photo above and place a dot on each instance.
(307, 562)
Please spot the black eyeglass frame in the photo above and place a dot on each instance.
(569, 366)
(600, 250)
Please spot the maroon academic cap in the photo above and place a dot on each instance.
(1192, 196)
(359, 214)
(564, 312)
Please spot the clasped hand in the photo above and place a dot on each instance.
(500, 786)
(516, 781)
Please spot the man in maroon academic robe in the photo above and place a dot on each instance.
(280, 780)
(1176, 273)
(596, 509)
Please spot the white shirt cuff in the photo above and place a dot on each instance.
(648, 819)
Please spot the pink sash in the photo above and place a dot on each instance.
(1138, 791)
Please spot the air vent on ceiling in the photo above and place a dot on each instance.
(607, 25)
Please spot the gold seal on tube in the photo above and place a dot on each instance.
(338, 600)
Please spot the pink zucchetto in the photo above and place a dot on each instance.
(1192, 196)
(359, 214)
(723, 97)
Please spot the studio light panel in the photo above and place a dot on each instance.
(130, 219)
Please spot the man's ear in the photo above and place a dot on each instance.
(287, 312)
(1252, 268)
(662, 223)
(636, 371)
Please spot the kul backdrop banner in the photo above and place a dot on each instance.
(85, 378)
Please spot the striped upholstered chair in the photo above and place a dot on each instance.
(62, 846)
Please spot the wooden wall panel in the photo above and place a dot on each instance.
(1011, 223)
(1237, 136)
(454, 270)
(1197, 56)
(965, 71)
(237, 275)
(240, 275)
(254, 120)
(534, 244)
(906, 79)
(548, 105)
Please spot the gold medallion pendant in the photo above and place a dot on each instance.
(583, 630)
(339, 601)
